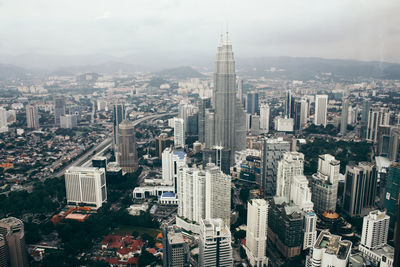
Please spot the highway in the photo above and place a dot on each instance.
(86, 158)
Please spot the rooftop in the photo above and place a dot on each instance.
(333, 245)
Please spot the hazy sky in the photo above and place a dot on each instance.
(354, 29)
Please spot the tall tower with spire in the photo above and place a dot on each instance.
(229, 130)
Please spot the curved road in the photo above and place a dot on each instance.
(100, 147)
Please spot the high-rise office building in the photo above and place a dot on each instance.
(321, 110)
(252, 103)
(272, 153)
(3, 120)
(344, 116)
(68, 121)
(204, 194)
(376, 117)
(297, 113)
(32, 117)
(394, 144)
(204, 104)
(264, 118)
(162, 142)
(118, 117)
(375, 229)
(14, 252)
(126, 155)
(289, 104)
(218, 155)
(59, 109)
(172, 161)
(291, 165)
(215, 244)
(179, 133)
(366, 106)
(304, 112)
(229, 117)
(256, 234)
(392, 190)
(175, 249)
(329, 250)
(383, 140)
(359, 189)
(325, 184)
(86, 186)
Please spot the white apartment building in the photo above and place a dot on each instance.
(179, 132)
(86, 186)
(291, 165)
(264, 118)
(215, 244)
(172, 161)
(256, 234)
(32, 117)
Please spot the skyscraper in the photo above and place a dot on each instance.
(3, 120)
(325, 184)
(289, 166)
(172, 161)
(179, 133)
(59, 109)
(344, 117)
(272, 153)
(289, 104)
(252, 103)
(359, 189)
(377, 116)
(12, 232)
(321, 110)
(86, 186)
(204, 194)
(375, 229)
(240, 91)
(127, 157)
(204, 104)
(32, 117)
(118, 117)
(256, 234)
(229, 119)
(215, 244)
(264, 118)
(175, 249)
(304, 112)
(392, 190)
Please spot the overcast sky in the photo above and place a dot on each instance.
(353, 29)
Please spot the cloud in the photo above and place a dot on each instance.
(107, 14)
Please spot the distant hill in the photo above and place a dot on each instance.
(180, 73)
(308, 68)
(11, 72)
(107, 67)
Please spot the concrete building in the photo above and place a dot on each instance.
(283, 124)
(3, 120)
(272, 153)
(359, 189)
(325, 184)
(59, 109)
(68, 121)
(179, 133)
(377, 116)
(32, 117)
(86, 186)
(175, 249)
(392, 190)
(375, 229)
(218, 155)
(229, 117)
(321, 110)
(118, 117)
(204, 194)
(329, 250)
(215, 244)
(239, 94)
(264, 118)
(204, 104)
(162, 142)
(13, 251)
(344, 116)
(172, 161)
(126, 155)
(252, 103)
(256, 234)
(291, 165)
